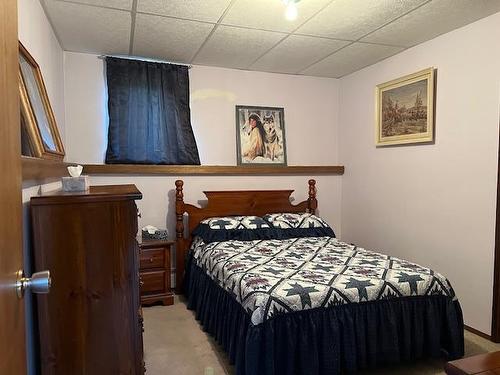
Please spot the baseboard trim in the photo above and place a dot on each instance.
(476, 332)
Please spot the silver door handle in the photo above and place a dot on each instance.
(38, 283)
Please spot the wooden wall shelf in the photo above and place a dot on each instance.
(35, 169)
(213, 170)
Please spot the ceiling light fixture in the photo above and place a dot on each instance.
(291, 9)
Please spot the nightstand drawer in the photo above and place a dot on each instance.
(153, 282)
(152, 258)
(155, 272)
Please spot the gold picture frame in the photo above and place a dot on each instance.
(405, 109)
(260, 135)
(37, 118)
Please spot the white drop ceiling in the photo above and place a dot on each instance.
(329, 38)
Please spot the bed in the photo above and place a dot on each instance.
(308, 305)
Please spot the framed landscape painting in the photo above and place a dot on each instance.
(405, 109)
(260, 133)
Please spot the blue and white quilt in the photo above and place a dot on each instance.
(271, 277)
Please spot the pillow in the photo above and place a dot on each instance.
(289, 225)
(243, 228)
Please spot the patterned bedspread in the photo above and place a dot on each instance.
(270, 277)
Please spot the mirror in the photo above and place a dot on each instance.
(39, 127)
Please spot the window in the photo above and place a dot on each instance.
(149, 115)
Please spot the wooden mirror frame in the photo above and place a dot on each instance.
(28, 117)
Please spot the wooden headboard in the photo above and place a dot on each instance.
(230, 203)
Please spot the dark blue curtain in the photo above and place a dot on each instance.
(149, 115)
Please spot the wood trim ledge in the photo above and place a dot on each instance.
(36, 169)
(198, 170)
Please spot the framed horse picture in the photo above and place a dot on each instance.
(405, 109)
(39, 129)
(260, 133)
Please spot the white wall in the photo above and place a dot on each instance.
(434, 204)
(311, 113)
(35, 32)
(310, 103)
(86, 108)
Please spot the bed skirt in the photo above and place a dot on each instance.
(327, 341)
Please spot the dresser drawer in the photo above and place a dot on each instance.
(152, 258)
(153, 282)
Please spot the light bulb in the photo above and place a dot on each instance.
(291, 11)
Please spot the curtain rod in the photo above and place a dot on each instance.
(103, 57)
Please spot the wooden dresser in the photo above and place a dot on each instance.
(156, 272)
(91, 321)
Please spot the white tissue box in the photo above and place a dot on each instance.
(80, 183)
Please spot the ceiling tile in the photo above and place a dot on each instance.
(168, 38)
(119, 4)
(295, 53)
(352, 19)
(350, 59)
(235, 47)
(201, 10)
(270, 14)
(83, 28)
(433, 19)
(175, 30)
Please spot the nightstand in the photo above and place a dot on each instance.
(155, 272)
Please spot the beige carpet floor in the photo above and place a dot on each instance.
(174, 343)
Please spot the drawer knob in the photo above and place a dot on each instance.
(150, 260)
